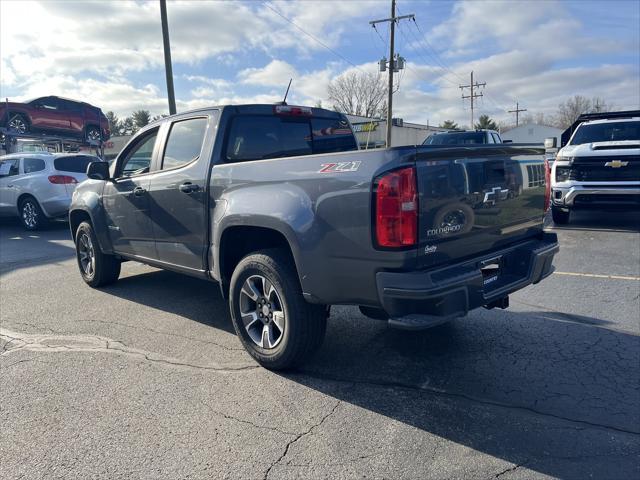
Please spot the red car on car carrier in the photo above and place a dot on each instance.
(55, 115)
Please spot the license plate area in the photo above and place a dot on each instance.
(491, 270)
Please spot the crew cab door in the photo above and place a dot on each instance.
(126, 198)
(178, 191)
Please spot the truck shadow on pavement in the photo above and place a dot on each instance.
(185, 296)
(554, 392)
(556, 396)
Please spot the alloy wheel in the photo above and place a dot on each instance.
(86, 254)
(93, 134)
(18, 124)
(262, 312)
(30, 214)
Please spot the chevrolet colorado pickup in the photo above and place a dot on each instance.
(278, 205)
(599, 168)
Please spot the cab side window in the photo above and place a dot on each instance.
(184, 143)
(9, 168)
(138, 159)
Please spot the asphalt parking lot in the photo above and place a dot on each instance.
(146, 379)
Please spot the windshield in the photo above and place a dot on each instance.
(606, 132)
(455, 138)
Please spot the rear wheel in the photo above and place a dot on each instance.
(31, 215)
(19, 123)
(275, 323)
(560, 217)
(97, 268)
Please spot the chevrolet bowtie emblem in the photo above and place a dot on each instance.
(616, 164)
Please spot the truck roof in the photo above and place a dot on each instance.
(611, 120)
(257, 109)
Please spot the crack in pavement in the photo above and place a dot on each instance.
(159, 332)
(298, 437)
(470, 398)
(511, 469)
(231, 417)
(93, 343)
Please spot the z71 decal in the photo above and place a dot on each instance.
(339, 167)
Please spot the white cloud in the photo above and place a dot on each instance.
(276, 73)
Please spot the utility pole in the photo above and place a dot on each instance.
(472, 96)
(395, 64)
(167, 57)
(517, 111)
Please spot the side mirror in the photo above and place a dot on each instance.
(98, 170)
(507, 141)
(551, 142)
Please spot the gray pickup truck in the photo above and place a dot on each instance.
(277, 204)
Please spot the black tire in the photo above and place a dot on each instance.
(560, 217)
(105, 269)
(19, 123)
(31, 215)
(93, 133)
(455, 214)
(304, 323)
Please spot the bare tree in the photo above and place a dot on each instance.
(570, 110)
(359, 93)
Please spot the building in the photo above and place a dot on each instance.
(372, 132)
(531, 133)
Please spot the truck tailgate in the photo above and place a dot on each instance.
(474, 200)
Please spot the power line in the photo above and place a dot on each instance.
(313, 37)
(442, 75)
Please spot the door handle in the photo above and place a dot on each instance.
(188, 187)
(10, 186)
(139, 191)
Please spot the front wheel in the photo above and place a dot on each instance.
(275, 323)
(97, 268)
(560, 217)
(94, 134)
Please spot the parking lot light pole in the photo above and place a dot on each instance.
(167, 57)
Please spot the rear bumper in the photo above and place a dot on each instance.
(584, 195)
(452, 291)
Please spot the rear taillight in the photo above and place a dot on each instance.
(62, 179)
(547, 184)
(396, 214)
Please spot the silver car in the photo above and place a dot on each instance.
(38, 186)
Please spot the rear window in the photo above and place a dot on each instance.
(456, 138)
(74, 163)
(606, 132)
(257, 137)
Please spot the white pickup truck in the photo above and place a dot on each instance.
(599, 167)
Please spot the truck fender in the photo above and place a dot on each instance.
(87, 204)
(285, 209)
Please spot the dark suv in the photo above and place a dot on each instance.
(55, 115)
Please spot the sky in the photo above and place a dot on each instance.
(110, 53)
